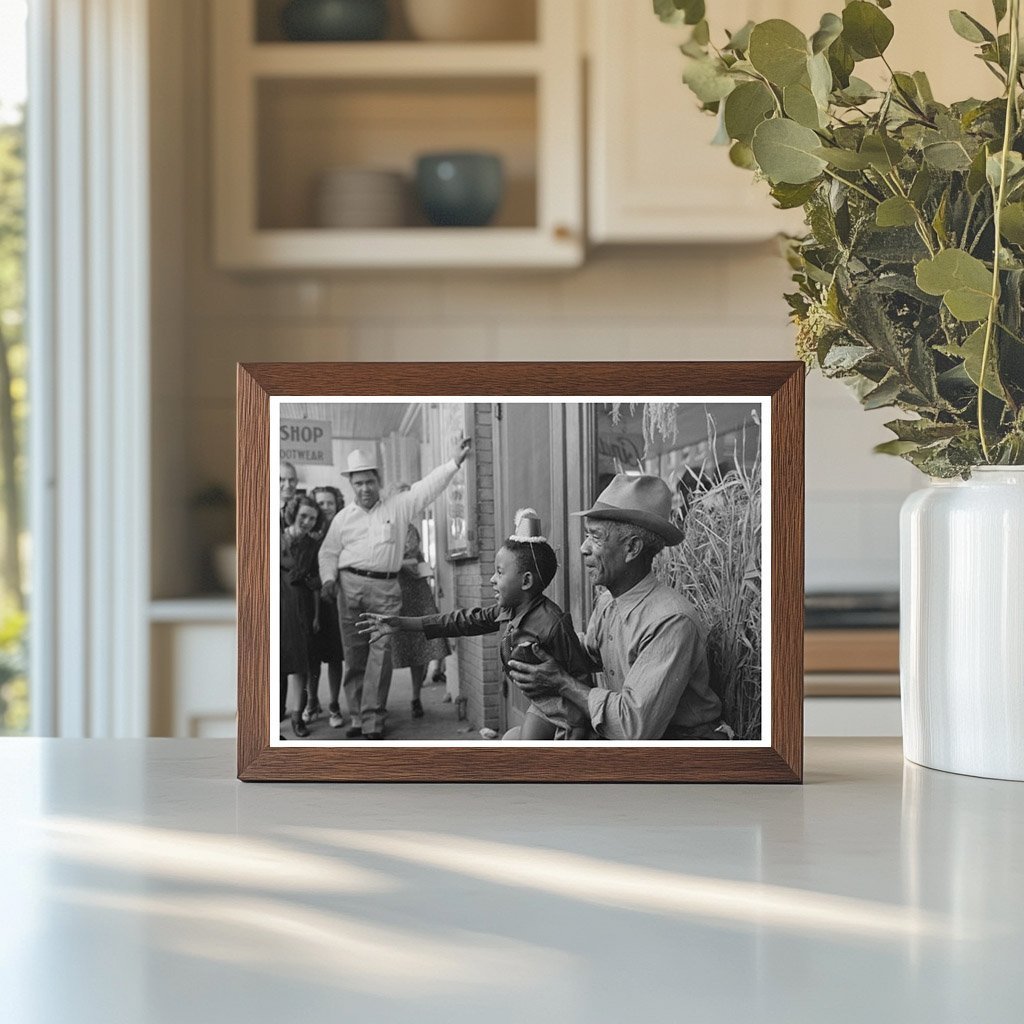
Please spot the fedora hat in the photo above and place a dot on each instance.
(361, 462)
(641, 500)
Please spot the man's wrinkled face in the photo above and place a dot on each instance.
(366, 484)
(604, 554)
(289, 481)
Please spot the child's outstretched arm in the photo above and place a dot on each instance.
(377, 627)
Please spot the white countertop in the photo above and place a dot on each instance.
(143, 884)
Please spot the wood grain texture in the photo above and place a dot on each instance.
(852, 650)
(782, 762)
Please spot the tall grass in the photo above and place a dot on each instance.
(717, 568)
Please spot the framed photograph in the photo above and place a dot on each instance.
(524, 572)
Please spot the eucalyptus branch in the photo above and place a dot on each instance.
(968, 218)
(771, 89)
(923, 227)
(977, 238)
(1000, 198)
(853, 185)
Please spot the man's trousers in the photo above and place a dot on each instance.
(367, 666)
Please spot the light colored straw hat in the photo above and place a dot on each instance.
(360, 462)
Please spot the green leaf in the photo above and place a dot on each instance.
(701, 33)
(694, 11)
(946, 156)
(968, 28)
(800, 105)
(999, 7)
(820, 76)
(707, 80)
(859, 91)
(939, 220)
(830, 29)
(896, 212)
(1011, 226)
(677, 12)
(866, 29)
(739, 41)
(976, 175)
(841, 60)
(921, 186)
(963, 281)
(883, 153)
(789, 197)
(971, 352)
(1014, 169)
(844, 159)
(924, 88)
(745, 108)
(885, 394)
(923, 431)
(895, 447)
(778, 50)
(741, 155)
(785, 152)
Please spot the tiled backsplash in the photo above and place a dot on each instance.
(701, 303)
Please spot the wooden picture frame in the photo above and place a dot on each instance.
(776, 757)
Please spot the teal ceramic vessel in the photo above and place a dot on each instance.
(460, 189)
(332, 21)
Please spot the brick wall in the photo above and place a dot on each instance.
(479, 665)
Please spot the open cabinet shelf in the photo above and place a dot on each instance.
(288, 114)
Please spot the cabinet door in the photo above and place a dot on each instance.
(653, 175)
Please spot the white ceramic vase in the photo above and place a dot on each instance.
(962, 624)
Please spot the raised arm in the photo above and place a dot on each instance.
(424, 491)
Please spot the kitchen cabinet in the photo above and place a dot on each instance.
(653, 175)
(286, 113)
(193, 666)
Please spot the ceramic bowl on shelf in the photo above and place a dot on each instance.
(334, 20)
(471, 20)
(361, 198)
(460, 189)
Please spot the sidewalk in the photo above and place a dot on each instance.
(439, 722)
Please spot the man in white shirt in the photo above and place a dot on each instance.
(359, 562)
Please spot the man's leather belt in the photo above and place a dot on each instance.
(370, 574)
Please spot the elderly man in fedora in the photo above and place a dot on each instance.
(644, 636)
(360, 558)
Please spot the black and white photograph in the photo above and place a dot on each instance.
(461, 570)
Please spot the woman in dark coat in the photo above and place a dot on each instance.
(327, 648)
(300, 609)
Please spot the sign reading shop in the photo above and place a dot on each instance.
(306, 442)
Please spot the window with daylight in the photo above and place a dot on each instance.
(14, 546)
